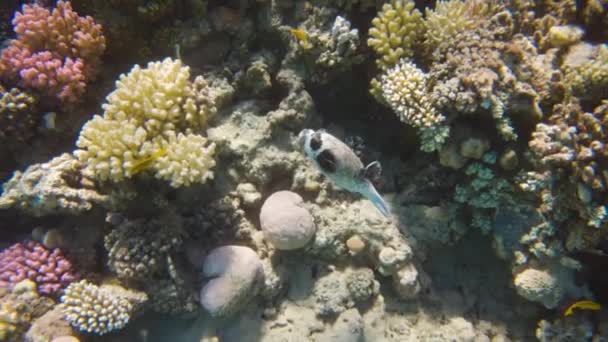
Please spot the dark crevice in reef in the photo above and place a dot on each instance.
(346, 102)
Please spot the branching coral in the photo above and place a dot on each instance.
(586, 70)
(100, 309)
(138, 250)
(575, 141)
(30, 260)
(396, 31)
(55, 53)
(444, 24)
(404, 88)
(144, 117)
(17, 117)
(484, 193)
(327, 46)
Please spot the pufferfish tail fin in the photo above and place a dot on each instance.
(371, 194)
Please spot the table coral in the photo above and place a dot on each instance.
(153, 109)
(55, 53)
(100, 309)
(50, 269)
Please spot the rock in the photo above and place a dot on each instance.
(285, 222)
(50, 327)
(474, 148)
(348, 327)
(238, 273)
(539, 286)
(407, 282)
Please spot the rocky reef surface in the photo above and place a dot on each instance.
(155, 188)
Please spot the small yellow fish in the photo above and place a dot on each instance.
(144, 163)
(301, 36)
(584, 305)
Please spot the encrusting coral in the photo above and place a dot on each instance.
(152, 120)
(62, 185)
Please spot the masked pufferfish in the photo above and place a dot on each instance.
(340, 164)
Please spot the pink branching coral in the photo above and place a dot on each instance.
(54, 53)
(49, 269)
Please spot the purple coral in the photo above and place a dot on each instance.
(51, 271)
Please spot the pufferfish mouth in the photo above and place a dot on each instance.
(303, 135)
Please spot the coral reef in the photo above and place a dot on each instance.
(100, 309)
(147, 113)
(49, 269)
(216, 227)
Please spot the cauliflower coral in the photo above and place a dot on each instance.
(152, 120)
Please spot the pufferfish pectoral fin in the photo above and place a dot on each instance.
(372, 172)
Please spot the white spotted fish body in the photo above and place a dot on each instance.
(340, 164)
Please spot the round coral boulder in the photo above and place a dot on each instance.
(286, 223)
(237, 274)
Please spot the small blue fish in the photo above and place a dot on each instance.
(340, 164)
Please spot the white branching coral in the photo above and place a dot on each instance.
(144, 124)
(404, 88)
(99, 310)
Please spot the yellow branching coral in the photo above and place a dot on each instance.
(160, 98)
(395, 32)
(189, 159)
(110, 147)
(147, 113)
(448, 20)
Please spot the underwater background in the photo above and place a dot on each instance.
(157, 186)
